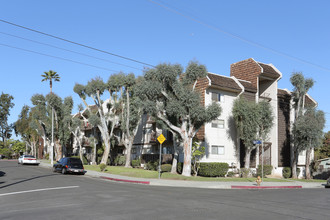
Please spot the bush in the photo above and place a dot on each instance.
(230, 174)
(120, 160)
(102, 167)
(286, 172)
(166, 168)
(47, 156)
(179, 167)
(136, 163)
(245, 172)
(267, 170)
(85, 162)
(213, 169)
(152, 165)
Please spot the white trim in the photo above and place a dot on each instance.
(207, 77)
(239, 84)
(313, 100)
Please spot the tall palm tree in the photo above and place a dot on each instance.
(50, 75)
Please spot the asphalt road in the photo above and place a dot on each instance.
(32, 192)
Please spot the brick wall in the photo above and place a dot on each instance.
(283, 130)
(249, 96)
(201, 86)
(246, 70)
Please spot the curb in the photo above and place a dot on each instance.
(126, 181)
(266, 187)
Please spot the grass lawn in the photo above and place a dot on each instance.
(141, 173)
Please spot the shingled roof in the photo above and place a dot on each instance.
(309, 101)
(269, 71)
(224, 82)
(248, 87)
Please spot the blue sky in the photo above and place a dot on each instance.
(292, 35)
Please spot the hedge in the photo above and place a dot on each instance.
(166, 168)
(136, 163)
(213, 169)
(286, 172)
(267, 170)
(120, 160)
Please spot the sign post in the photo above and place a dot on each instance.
(262, 160)
(262, 157)
(160, 139)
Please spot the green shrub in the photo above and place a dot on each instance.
(47, 156)
(267, 170)
(230, 174)
(213, 169)
(102, 167)
(286, 172)
(85, 162)
(179, 167)
(136, 163)
(166, 168)
(245, 172)
(120, 160)
(152, 165)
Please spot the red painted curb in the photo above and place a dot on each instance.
(266, 187)
(126, 181)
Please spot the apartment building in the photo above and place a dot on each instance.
(255, 81)
(249, 78)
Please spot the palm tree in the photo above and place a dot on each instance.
(50, 75)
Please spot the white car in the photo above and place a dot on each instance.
(28, 159)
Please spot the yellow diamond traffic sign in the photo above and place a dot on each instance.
(161, 138)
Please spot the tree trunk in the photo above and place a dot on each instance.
(80, 152)
(308, 162)
(128, 145)
(186, 171)
(106, 138)
(294, 165)
(58, 150)
(247, 158)
(176, 155)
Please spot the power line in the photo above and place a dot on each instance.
(163, 5)
(60, 58)
(60, 48)
(76, 43)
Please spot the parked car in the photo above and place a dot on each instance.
(69, 165)
(328, 183)
(28, 159)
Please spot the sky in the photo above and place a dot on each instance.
(292, 35)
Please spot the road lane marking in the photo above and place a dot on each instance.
(38, 190)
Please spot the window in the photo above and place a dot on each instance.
(218, 150)
(219, 123)
(217, 97)
(133, 150)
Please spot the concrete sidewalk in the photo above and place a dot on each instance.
(202, 184)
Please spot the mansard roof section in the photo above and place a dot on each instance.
(248, 87)
(283, 92)
(270, 71)
(309, 101)
(223, 82)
